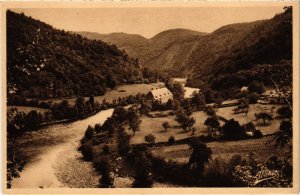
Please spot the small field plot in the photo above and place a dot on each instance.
(154, 126)
(27, 109)
(262, 148)
(120, 92)
(270, 127)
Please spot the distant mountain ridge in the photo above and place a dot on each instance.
(177, 51)
(207, 57)
(148, 50)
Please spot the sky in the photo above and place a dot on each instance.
(147, 21)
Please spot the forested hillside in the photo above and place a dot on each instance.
(165, 52)
(44, 62)
(270, 42)
(225, 58)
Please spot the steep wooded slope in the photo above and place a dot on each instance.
(45, 62)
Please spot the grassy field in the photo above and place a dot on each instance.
(270, 127)
(27, 109)
(120, 92)
(263, 148)
(154, 126)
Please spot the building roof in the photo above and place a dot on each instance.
(159, 93)
(244, 88)
(234, 101)
(180, 80)
(189, 92)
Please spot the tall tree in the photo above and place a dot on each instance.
(200, 155)
(143, 173)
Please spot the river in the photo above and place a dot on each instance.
(56, 161)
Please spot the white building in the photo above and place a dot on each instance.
(189, 92)
(182, 81)
(162, 95)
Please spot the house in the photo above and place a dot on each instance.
(244, 89)
(272, 96)
(162, 95)
(182, 81)
(227, 103)
(189, 92)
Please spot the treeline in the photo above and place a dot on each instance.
(269, 43)
(43, 62)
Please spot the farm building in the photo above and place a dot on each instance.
(162, 95)
(244, 89)
(189, 92)
(227, 103)
(182, 81)
(272, 96)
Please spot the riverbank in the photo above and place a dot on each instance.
(53, 156)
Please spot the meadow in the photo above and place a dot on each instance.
(121, 91)
(262, 148)
(154, 125)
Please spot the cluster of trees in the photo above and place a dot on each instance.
(17, 124)
(184, 119)
(44, 62)
(17, 100)
(113, 128)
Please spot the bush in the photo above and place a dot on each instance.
(210, 111)
(98, 128)
(143, 175)
(257, 134)
(123, 144)
(89, 133)
(217, 174)
(87, 151)
(104, 167)
(171, 140)
(253, 97)
(233, 130)
(150, 139)
(257, 87)
(285, 112)
(106, 150)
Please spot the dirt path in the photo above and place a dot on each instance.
(59, 164)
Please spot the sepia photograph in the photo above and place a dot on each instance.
(181, 96)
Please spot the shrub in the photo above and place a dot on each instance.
(256, 86)
(257, 134)
(150, 139)
(89, 133)
(217, 174)
(143, 175)
(98, 128)
(210, 111)
(166, 125)
(104, 167)
(249, 126)
(201, 155)
(285, 112)
(253, 97)
(264, 116)
(212, 123)
(233, 130)
(171, 140)
(87, 152)
(123, 144)
(106, 150)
